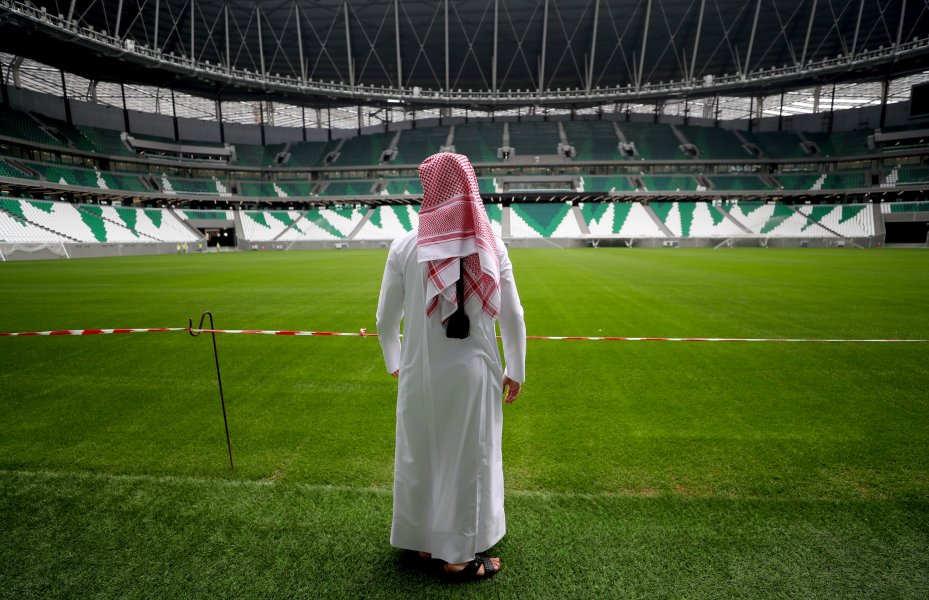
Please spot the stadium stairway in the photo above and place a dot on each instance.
(237, 224)
(187, 226)
(814, 218)
(581, 223)
(878, 220)
(661, 225)
(23, 167)
(725, 212)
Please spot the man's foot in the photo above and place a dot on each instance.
(424, 555)
(482, 567)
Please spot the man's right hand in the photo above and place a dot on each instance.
(512, 389)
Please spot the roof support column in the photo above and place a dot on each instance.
(219, 119)
(348, 47)
(228, 54)
(857, 28)
(448, 91)
(155, 37)
(71, 11)
(192, 53)
(303, 120)
(693, 57)
(593, 46)
(780, 114)
(15, 64)
(751, 41)
(4, 95)
(900, 26)
(261, 46)
(300, 50)
(885, 88)
(122, 92)
(397, 38)
(648, 16)
(64, 95)
(544, 44)
(493, 69)
(119, 16)
(809, 28)
(177, 135)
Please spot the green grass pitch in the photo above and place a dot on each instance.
(633, 469)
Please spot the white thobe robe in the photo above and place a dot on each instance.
(448, 464)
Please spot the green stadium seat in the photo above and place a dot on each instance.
(20, 125)
(310, 154)
(403, 187)
(842, 143)
(479, 141)
(714, 142)
(257, 189)
(530, 138)
(653, 140)
(799, 181)
(739, 182)
(418, 144)
(846, 181)
(777, 144)
(358, 187)
(606, 183)
(105, 141)
(669, 183)
(257, 156)
(8, 170)
(593, 140)
(364, 150)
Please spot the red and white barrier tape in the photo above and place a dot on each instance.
(91, 331)
(364, 333)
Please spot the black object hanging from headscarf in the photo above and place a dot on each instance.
(458, 324)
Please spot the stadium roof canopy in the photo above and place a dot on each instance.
(477, 53)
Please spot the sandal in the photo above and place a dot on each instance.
(413, 560)
(470, 571)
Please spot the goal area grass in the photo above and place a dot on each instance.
(632, 469)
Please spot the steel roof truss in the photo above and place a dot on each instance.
(422, 45)
(520, 39)
(278, 46)
(209, 29)
(582, 77)
(619, 44)
(470, 43)
(372, 47)
(323, 44)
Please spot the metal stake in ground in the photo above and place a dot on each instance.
(219, 379)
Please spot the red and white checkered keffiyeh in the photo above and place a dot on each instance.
(453, 225)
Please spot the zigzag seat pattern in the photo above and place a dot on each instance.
(95, 224)
(622, 219)
(266, 225)
(319, 224)
(554, 220)
(389, 222)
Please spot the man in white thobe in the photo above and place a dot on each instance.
(448, 470)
